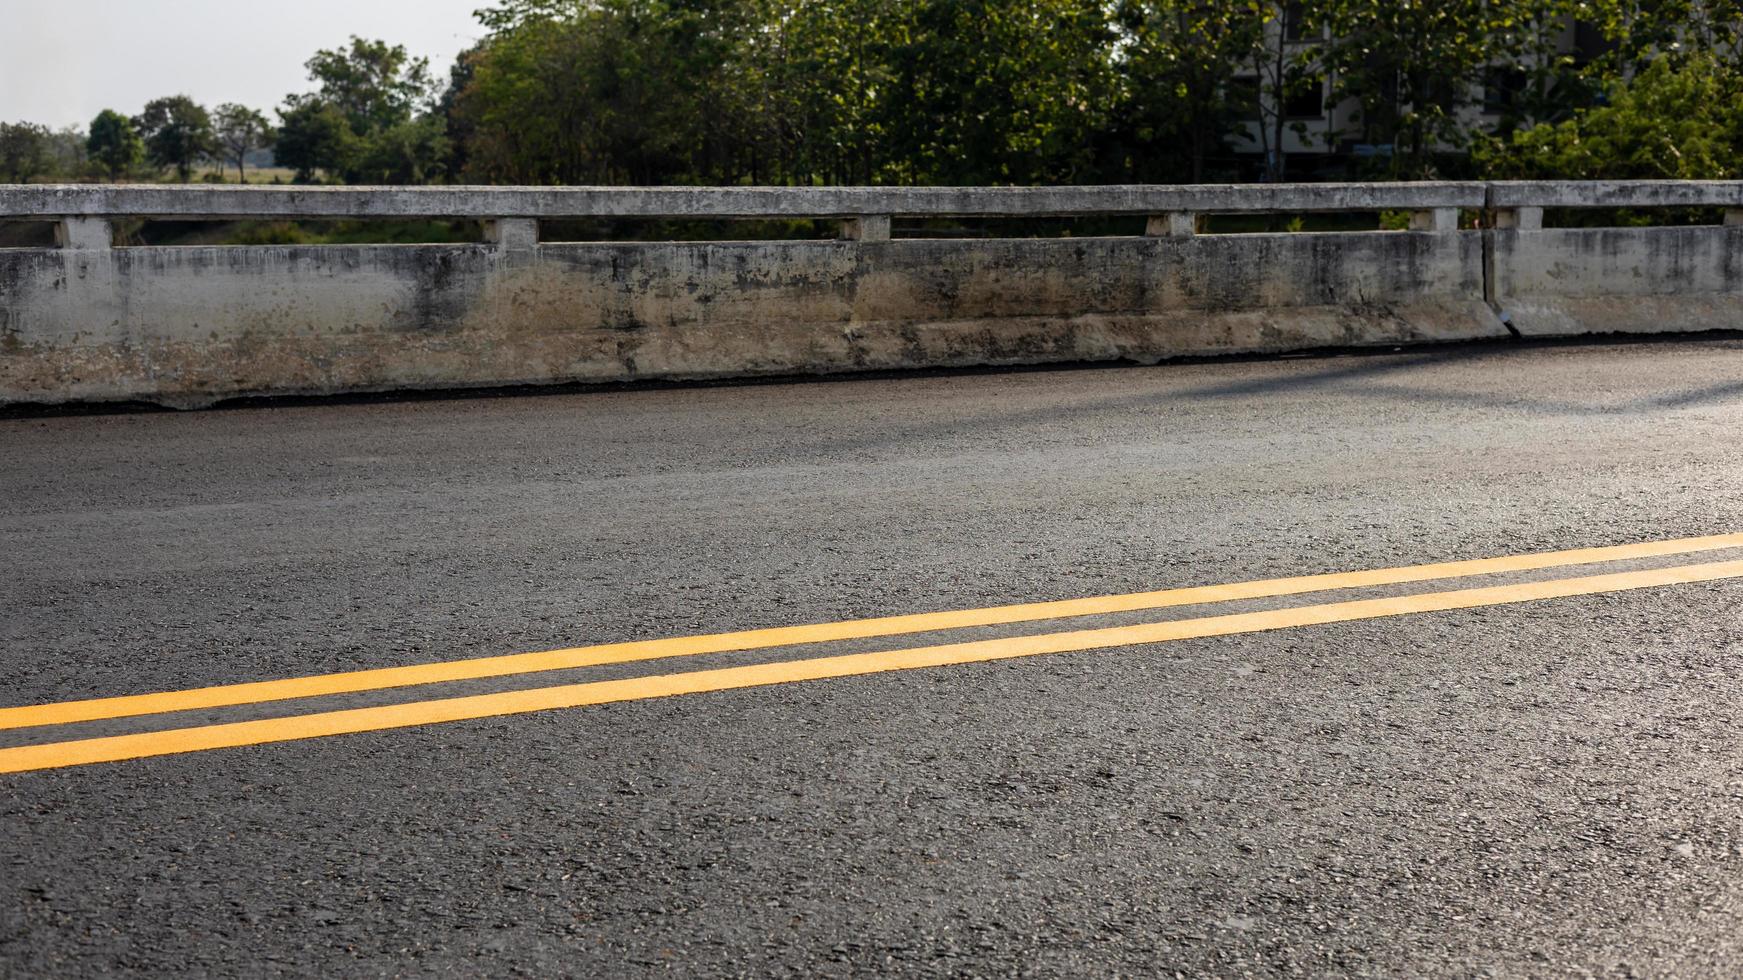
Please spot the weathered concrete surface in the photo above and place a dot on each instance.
(163, 201)
(1615, 193)
(190, 325)
(1570, 281)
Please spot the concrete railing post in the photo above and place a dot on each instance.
(1520, 219)
(866, 228)
(84, 234)
(512, 234)
(1734, 216)
(1435, 219)
(1174, 224)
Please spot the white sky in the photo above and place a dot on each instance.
(63, 61)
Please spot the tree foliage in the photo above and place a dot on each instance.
(625, 91)
(26, 149)
(114, 144)
(240, 131)
(1673, 121)
(1413, 67)
(177, 132)
(369, 119)
(811, 81)
(376, 85)
(845, 91)
(983, 91)
(1644, 31)
(314, 136)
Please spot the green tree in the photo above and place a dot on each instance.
(370, 119)
(114, 144)
(67, 152)
(26, 150)
(1181, 99)
(1537, 79)
(1673, 121)
(844, 91)
(177, 132)
(315, 136)
(459, 127)
(240, 131)
(811, 83)
(575, 92)
(412, 152)
(1642, 32)
(999, 91)
(376, 85)
(1008, 91)
(1289, 68)
(1412, 66)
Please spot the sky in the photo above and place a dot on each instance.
(63, 61)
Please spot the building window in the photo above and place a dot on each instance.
(1307, 102)
(1503, 88)
(1295, 22)
(1590, 43)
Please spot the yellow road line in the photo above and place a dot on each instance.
(67, 712)
(117, 748)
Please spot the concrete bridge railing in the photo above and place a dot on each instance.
(189, 325)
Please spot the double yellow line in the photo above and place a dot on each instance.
(134, 746)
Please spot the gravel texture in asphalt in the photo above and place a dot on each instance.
(1551, 788)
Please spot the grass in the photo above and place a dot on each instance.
(256, 175)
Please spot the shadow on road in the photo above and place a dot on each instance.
(1351, 374)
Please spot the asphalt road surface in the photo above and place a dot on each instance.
(1531, 767)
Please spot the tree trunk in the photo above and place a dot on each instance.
(1274, 166)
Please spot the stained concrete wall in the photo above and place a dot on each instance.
(187, 326)
(190, 325)
(1572, 281)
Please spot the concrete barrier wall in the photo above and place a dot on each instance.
(1572, 281)
(1632, 280)
(191, 325)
